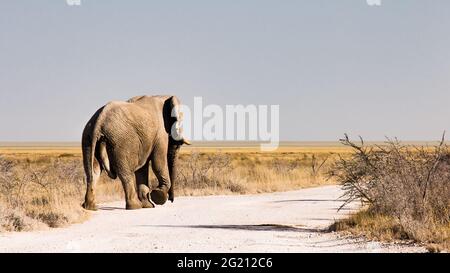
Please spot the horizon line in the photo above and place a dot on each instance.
(287, 143)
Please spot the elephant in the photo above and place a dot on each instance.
(125, 138)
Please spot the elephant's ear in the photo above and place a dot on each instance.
(172, 120)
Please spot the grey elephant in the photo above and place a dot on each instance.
(124, 138)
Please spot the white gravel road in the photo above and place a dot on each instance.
(276, 222)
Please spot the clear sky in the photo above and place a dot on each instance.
(332, 66)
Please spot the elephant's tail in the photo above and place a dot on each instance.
(102, 157)
(88, 143)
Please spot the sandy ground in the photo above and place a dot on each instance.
(277, 222)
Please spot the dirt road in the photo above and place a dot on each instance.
(276, 222)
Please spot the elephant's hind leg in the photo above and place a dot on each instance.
(129, 186)
(143, 186)
(89, 199)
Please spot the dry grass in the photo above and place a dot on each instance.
(40, 188)
(39, 192)
(406, 190)
(372, 225)
(387, 228)
(247, 172)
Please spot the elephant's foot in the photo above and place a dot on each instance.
(158, 196)
(89, 205)
(134, 205)
(147, 204)
(144, 196)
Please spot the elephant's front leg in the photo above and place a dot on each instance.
(129, 186)
(160, 168)
(143, 186)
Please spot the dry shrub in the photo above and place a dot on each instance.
(46, 190)
(406, 183)
(14, 219)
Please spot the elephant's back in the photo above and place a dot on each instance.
(127, 121)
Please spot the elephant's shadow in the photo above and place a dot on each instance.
(110, 208)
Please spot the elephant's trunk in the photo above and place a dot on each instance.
(172, 161)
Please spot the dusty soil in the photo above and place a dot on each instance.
(278, 222)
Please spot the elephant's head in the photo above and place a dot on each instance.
(172, 121)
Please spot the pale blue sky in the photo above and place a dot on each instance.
(332, 66)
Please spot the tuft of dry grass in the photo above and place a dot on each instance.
(372, 225)
(387, 228)
(406, 190)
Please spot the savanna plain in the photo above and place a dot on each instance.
(403, 190)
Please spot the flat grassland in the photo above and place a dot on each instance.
(42, 185)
